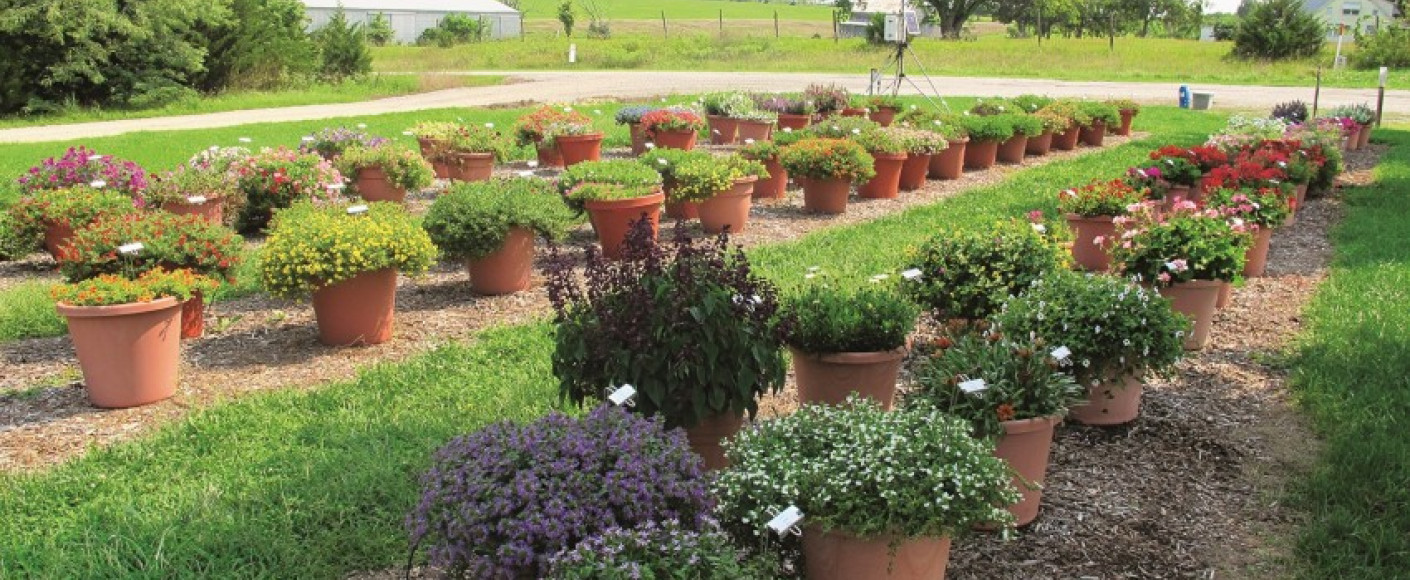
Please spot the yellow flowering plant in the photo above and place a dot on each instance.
(312, 246)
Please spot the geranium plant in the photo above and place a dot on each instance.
(312, 246)
(1110, 197)
(169, 241)
(824, 318)
(112, 290)
(331, 143)
(472, 220)
(828, 159)
(276, 178)
(404, 168)
(1262, 208)
(1181, 245)
(970, 272)
(81, 166)
(670, 121)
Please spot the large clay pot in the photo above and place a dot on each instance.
(913, 172)
(1256, 260)
(1012, 151)
(576, 149)
(835, 555)
(211, 209)
(675, 139)
(1176, 193)
(1127, 115)
(549, 156)
(795, 122)
(825, 195)
(981, 154)
(1094, 136)
(828, 378)
(887, 183)
(193, 316)
(428, 148)
(357, 311)
(1026, 445)
(1088, 254)
(949, 164)
(1111, 402)
(1365, 136)
(755, 131)
(722, 129)
(471, 167)
(1300, 195)
(1196, 299)
(682, 210)
(776, 185)
(612, 219)
(883, 116)
(129, 353)
(373, 185)
(1040, 145)
(1067, 140)
(1226, 296)
(1353, 138)
(507, 270)
(728, 209)
(853, 112)
(638, 136)
(57, 237)
(705, 438)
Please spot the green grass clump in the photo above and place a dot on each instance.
(26, 311)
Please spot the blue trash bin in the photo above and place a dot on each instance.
(1184, 96)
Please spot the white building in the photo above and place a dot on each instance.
(410, 18)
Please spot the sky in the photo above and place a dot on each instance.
(1221, 6)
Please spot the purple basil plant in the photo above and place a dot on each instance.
(83, 166)
(501, 502)
(333, 142)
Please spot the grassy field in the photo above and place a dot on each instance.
(1351, 377)
(316, 484)
(755, 49)
(678, 9)
(374, 87)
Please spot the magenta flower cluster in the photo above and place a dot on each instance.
(499, 503)
(83, 166)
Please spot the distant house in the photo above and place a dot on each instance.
(410, 18)
(1352, 13)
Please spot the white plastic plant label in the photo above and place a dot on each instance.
(196, 199)
(408, 133)
(98, 184)
(1062, 353)
(622, 395)
(911, 274)
(526, 174)
(337, 187)
(246, 140)
(357, 210)
(786, 520)
(307, 139)
(973, 386)
(95, 157)
(131, 249)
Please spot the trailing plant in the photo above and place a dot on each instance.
(533, 128)
(970, 272)
(331, 143)
(472, 220)
(827, 99)
(312, 246)
(183, 183)
(113, 290)
(664, 550)
(74, 208)
(277, 178)
(670, 121)
(404, 168)
(1100, 198)
(81, 166)
(1258, 208)
(828, 159)
(169, 241)
(1181, 245)
(665, 161)
(824, 318)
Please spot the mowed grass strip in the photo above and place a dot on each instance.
(1352, 375)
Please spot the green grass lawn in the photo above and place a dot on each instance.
(678, 9)
(316, 484)
(1351, 376)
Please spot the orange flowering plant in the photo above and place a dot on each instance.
(112, 290)
(168, 241)
(828, 159)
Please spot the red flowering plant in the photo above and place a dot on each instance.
(1205, 157)
(1101, 198)
(534, 127)
(1245, 172)
(1181, 245)
(275, 178)
(1288, 155)
(671, 120)
(1267, 207)
(81, 166)
(168, 241)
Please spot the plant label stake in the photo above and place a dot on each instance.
(786, 521)
(1062, 354)
(623, 395)
(973, 386)
(131, 249)
(196, 199)
(357, 210)
(526, 174)
(911, 274)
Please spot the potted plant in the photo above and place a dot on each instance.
(81, 166)
(387, 172)
(276, 178)
(1024, 394)
(948, 163)
(615, 195)
(1118, 334)
(191, 191)
(991, 107)
(532, 129)
(820, 456)
(1187, 254)
(1053, 124)
(921, 146)
(969, 273)
(491, 226)
(776, 183)
(1260, 211)
(54, 214)
(1364, 116)
(722, 113)
(348, 258)
(985, 132)
(846, 341)
(672, 128)
(1099, 116)
(723, 187)
(125, 333)
(889, 150)
(1025, 127)
(497, 503)
(1067, 140)
(664, 550)
(665, 162)
(793, 112)
(828, 100)
(1090, 211)
(576, 139)
(1127, 109)
(331, 143)
(881, 109)
(469, 153)
(432, 136)
(666, 320)
(168, 242)
(755, 125)
(1031, 103)
(631, 117)
(827, 168)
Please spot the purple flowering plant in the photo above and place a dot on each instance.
(500, 502)
(81, 166)
(332, 142)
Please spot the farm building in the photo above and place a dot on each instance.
(410, 18)
(1366, 14)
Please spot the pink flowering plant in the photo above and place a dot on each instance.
(1100, 198)
(1180, 246)
(275, 178)
(81, 166)
(1266, 207)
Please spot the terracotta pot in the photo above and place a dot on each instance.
(828, 378)
(1110, 403)
(914, 170)
(373, 185)
(56, 238)
(1127, 116)
(1175, 193)
(776, 185)
(428, 147)
(472, 167)
(705, 438)
(1094, 135)
(576, 149)
(549, 157)
(1039, 145)
(755, 131)
(638, 136)
(836, 555)
(729, 209)
(949, 164)
(1196, 299)
(507, 270)
(682, 210)
(129, 353)
(722, 129)
(1012, 151)
(795, 122)
(357, 311)
(1088, 254)
(853, 112)
(212, 210)
(193, 316)
(887, 183)
(1353, 138)
(1256, 260)
(1226, 296)
(884, 116)
(1067, 140)
(825, 195)
(1026, 445)
(981, 154)
(1300, 195)
(1365, 138)
(613, 219)
(675, 139)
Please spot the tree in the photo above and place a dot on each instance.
(1277, 30)
(343, 48)
(952, 14)
(565, 15)
(262, 46)
(844, 8)
(454, 29)
(379, 30)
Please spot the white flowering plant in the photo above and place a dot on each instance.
(1112, 326)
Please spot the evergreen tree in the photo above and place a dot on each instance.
(379, 31)
(343, 47)
(1277, 30)
(565, 16)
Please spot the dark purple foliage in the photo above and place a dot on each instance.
(498, 503)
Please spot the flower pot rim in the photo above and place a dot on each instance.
(649, 200)
(71, 311)
(753, 122)
(598, 136)
(840, 531)
(322, 284)
(1095, 218)
(474, 154)
(889, 156)
(1197, 284)
(1018, 426)
(854, 358)
(959, 141)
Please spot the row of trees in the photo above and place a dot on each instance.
(1074, 18)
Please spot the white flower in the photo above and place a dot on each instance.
(814, 268)
(788, 129)
(748, 141)
(650, 145)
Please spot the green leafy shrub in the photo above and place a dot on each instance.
(1027, 125)
(988, 128)
(1390, 47)
(699, 178)
(1030, 103)
(1097, 112)
(313, 246)
(1069, 110)
(823, 318)
(469, 139)
(828, 159)
(611, 179)
(1278, 30)
(405, 168)
(969, 273)
(1179, 246)
(342, 46)
(472, 220)
(453, 30)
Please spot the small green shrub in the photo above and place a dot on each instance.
(1278, 30)
(826, 319)
(472, 220)
(969, 273)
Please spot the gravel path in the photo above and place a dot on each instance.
(563, 86)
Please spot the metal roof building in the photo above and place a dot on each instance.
(410, 18)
